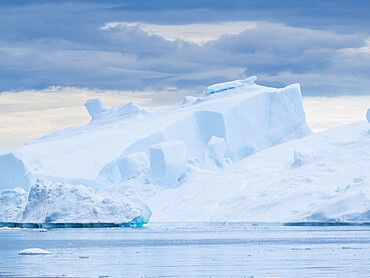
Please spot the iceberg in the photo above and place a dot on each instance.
(240, 152)
(65, 203)
(248, 117)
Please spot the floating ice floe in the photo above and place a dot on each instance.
(34, 251)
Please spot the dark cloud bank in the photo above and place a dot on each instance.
(324, 45)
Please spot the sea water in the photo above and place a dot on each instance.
(189, 250)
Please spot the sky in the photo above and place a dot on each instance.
(138, 45)
(156, 52)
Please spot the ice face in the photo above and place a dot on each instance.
(12, 172)
(167, 163)
(216, 151)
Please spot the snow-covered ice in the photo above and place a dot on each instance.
(240, 152)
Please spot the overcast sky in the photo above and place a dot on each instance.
(156, 45)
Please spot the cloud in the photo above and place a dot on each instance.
(153, 47)
(198, 33)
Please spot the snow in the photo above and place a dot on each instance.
(241, 152)
(34, 251)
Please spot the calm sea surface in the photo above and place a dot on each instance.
(189, 250)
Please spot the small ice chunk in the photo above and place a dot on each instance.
(130, 108)
(167, 162)
(34, 251)
(368, 115)
(95, 107)
(10, 229)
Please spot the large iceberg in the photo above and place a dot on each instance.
(239, 152)
(248, 117)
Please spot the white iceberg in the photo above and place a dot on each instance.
(240, 152)
(249, 118)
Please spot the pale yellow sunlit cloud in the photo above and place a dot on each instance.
(197, 33)
(325, 112)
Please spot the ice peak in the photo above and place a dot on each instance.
(97, 110)
(95, 107)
